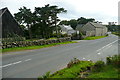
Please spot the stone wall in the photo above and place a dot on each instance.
(32, 43)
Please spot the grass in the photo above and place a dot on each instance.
(93, 38)
(34, 47)
(88, 69)
(116, 33)
(108, 71)
(73, 71)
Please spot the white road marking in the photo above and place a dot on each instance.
(14, 63)
(28, 60)
(83, 58)
(108, 45)
(17, 62)
(98, 53)
(7, 65)
(89, 60)
(11, 64)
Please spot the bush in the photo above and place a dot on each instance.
(72, 62)
(98, 66)
(108, 60)
(115, 60)
(46, 75)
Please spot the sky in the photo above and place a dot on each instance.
(101, 10)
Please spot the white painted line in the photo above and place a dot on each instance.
(7, 65)
(11, 64)
(83, 58)
(89, 60)
(28, 60)
(17, 62)
(107, 45)
(98, 53)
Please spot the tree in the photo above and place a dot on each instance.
(64, 22)
(47, 17)
(43, 21)
(55, 11)
(73, 23)
(25, 17)
(83, 20)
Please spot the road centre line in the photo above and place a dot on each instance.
(6, 65)
(14, 63)
(28, 60)
(98, 53)
(83, 58)
(17, 62)
(108, 45)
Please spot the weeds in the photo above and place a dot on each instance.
(98, 66)
(72, 62)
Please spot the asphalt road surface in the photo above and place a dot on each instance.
(34, 63)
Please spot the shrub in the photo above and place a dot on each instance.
(72, 62)
(98, 66)
(114, 60)
(108, 60)
(46, 75)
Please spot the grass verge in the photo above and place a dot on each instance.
(71, 72)
(108, 71)
(34, 47)
(116, 33)
(93, 38)
(88, 69)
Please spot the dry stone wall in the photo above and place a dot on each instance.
(32, 43)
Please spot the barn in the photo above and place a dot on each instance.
(9, 26)
(92, 29)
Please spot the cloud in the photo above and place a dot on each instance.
(103, 10)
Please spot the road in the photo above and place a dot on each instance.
(34, 63)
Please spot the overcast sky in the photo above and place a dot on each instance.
(101, 10)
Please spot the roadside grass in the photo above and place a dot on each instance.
(88, 69)
(34, 47)
(0, 50)
(108, 71)
(73, 71)
(116, 33)
(93, 38)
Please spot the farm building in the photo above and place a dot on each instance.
(9, 26)
(92, 29)
(66, 29)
